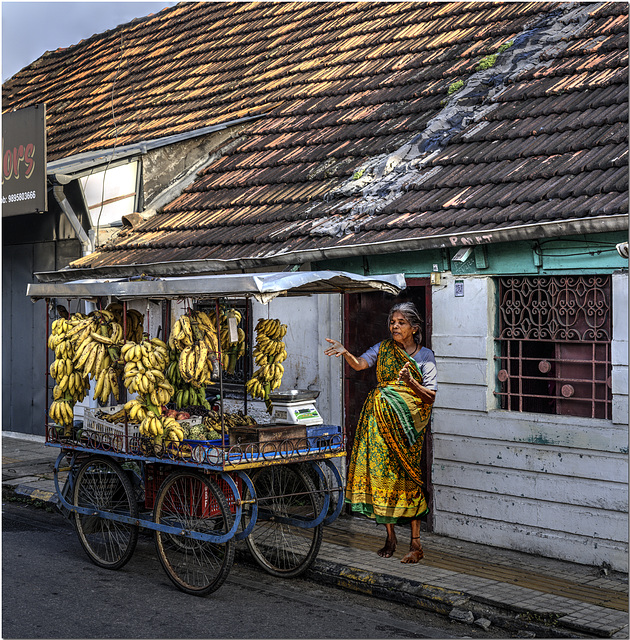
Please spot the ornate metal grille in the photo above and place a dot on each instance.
(554, 337)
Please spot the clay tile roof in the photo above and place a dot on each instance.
(380, 121)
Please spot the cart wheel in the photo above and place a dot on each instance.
(102, 484)
(191, 501)
(281, 548)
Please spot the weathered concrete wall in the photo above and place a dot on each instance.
(166, 171)
(554, 485)
(311, 320)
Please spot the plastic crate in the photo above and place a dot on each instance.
(323, 435)
(207, 507)
(112, 433)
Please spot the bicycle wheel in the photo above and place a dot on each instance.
(102, 484)
(192, 501)
(280, 547)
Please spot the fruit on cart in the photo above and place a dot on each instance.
(269, 352)
(114, 418)
(190, 396)
(152, 426)
(143, 374)
(231, 351)
(61, 412)
(135, 321)
(144, 370)
(70, 386)
(173, 432)
(106, 384)
(213, 420)
(136, 411)
(193, 362)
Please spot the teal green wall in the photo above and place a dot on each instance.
(594, 253)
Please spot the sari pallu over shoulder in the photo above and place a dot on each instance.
(401, 415)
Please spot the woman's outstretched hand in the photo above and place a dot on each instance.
(337, 349)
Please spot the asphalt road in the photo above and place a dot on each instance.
(50, 589)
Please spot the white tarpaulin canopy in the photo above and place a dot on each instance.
(262, 286)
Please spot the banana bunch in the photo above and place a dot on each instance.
(269, 353)
(173, 432)
(194, 327)
(136, 411)
(135, 321)
(194, 364)
(230, 351)
(194, 349)
(113, 418)
(70, 385)
(185, 394)
(144, 370)
(96, 343)
(152, 426)
(230, 420)
(106, 384)
(62, 413)
(189, 396)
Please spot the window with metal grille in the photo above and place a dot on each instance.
(554, 345)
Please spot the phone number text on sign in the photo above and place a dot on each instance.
(18, 197)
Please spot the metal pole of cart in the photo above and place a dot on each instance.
(47, 365)
(218, 321)
(246, 356)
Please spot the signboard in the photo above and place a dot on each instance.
(24, 161)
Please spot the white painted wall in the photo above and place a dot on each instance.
(552, 485)
(311, 319)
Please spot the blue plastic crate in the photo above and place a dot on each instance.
(322, 434)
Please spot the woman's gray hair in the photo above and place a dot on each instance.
(409, 311)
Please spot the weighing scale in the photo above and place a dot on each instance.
(295, 406)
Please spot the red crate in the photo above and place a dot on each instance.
(205, 505)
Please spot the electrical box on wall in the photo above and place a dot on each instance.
(435, 278)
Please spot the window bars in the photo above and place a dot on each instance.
(554, 342)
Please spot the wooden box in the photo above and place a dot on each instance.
(281, 437)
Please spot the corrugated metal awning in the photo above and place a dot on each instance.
(262, 286)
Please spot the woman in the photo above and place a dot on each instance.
(384, 478)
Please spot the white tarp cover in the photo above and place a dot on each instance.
(262, 286)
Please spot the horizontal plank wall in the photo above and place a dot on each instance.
(620, 348)
(553, 485)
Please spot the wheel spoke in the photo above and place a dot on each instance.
(189, 501)
(102, 485)
(279, 547)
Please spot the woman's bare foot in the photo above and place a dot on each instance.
(388, 550)
(415, 553)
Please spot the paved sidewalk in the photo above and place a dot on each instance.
(527, 595)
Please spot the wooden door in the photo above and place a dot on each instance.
(365, 324)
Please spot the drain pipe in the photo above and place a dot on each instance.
(60, 197)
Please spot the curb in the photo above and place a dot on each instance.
(31, 494)
(431, 598)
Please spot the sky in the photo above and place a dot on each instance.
(31, 28)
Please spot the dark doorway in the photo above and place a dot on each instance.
(365, 324)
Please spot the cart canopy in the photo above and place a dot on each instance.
(262, 286)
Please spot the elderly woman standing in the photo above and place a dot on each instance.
(384, 478)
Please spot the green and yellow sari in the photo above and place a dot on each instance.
(384, 476)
